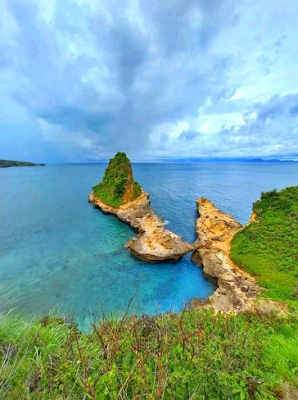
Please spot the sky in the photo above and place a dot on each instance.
(82, 79)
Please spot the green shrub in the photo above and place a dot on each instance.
(198, 355)
(137, 190)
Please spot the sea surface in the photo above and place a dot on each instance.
(57, 252)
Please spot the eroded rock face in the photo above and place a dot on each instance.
(153, 242)
(237, 290)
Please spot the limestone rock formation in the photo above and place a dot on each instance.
(153, 242)
(237, 290)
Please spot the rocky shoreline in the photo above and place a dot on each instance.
(236, 289)
(215, 230)
(153, 242)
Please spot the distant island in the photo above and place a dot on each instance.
(9, 163)
(225, 160)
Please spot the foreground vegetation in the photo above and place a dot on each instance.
(194, 355)
(118, 186)
(268, 248)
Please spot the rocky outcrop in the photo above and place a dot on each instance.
(153, 242)
(119, 194)
(236, 290)
(118, 186)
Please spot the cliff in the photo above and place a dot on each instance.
(8, 163)
(153, 242)
(215, 230)
(237, 290)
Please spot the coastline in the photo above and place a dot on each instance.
(9, 164)
(154, 242)
(236, 290)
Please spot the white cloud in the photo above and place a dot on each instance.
(140, 76)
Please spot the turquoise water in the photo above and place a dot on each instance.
(58, 252)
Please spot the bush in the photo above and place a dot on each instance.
(196, 355)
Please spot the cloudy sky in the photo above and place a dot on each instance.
(82, 79)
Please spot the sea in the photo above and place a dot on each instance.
(58, 254)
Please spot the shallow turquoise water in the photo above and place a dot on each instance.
(57, 251)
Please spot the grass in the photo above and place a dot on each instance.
(198, 356)
(268, 249)
(116, 181)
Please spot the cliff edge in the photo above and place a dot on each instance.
(236, 290)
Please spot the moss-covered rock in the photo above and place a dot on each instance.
(118, 186)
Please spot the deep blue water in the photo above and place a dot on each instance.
(58, 252)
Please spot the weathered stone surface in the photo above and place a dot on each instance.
(153, 242)
(237, 291)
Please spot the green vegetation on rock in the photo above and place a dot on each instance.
(268, 248)
(118, 186)
(198, 355)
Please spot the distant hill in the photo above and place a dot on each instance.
(9, 163)
(224, 160)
